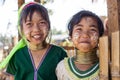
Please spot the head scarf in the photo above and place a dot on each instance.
(21, 43)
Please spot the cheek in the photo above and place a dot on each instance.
(75, 36)
(45, 31)
(26, 33)
(94, 39)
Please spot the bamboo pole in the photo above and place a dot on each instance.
(115, 55)
(103, 57)
(39, 1)
(20, 2)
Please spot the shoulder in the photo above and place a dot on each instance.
(62, 64)
(22, 49)
(58, 52)
(57, 47)
(61, 70)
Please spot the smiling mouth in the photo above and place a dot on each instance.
(85, 42)
(36, 37)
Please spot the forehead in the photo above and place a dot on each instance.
(34, 14)
(89, 19)
(87, 22)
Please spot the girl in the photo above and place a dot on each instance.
(85, 28)
(33, 58)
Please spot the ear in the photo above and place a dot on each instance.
(106, 26)
(70, 38)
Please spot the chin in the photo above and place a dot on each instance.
(38, 42)
(84, 50)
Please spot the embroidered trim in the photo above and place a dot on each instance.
(87, 73)
(73, 76)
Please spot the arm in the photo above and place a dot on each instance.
(11, 77)
(60, 71)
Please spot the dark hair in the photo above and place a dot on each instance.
(29, 9)
(84, 13)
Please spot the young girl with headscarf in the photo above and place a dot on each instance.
(33, 58)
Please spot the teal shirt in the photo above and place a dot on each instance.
(22, 67)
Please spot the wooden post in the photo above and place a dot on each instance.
(103, 58)
(114, 25)
(115, 56)
(20, 2)
(113, 15)
(39, 1)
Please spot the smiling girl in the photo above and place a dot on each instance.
(33, 58)
(85, 28)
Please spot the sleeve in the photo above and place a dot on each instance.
(11, 69)
(63, 54)
(59, 70)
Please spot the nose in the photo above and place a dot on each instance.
(36, 27)
(85, 34)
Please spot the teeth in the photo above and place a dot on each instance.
(36, 36)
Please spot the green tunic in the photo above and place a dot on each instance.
(22, 65)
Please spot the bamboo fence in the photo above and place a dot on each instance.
(109, 55)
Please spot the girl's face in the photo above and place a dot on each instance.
(36, 29)
(85, 34)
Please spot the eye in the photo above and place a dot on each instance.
(94, 30)
(28, 24)
(79, 29)
(42, 23)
